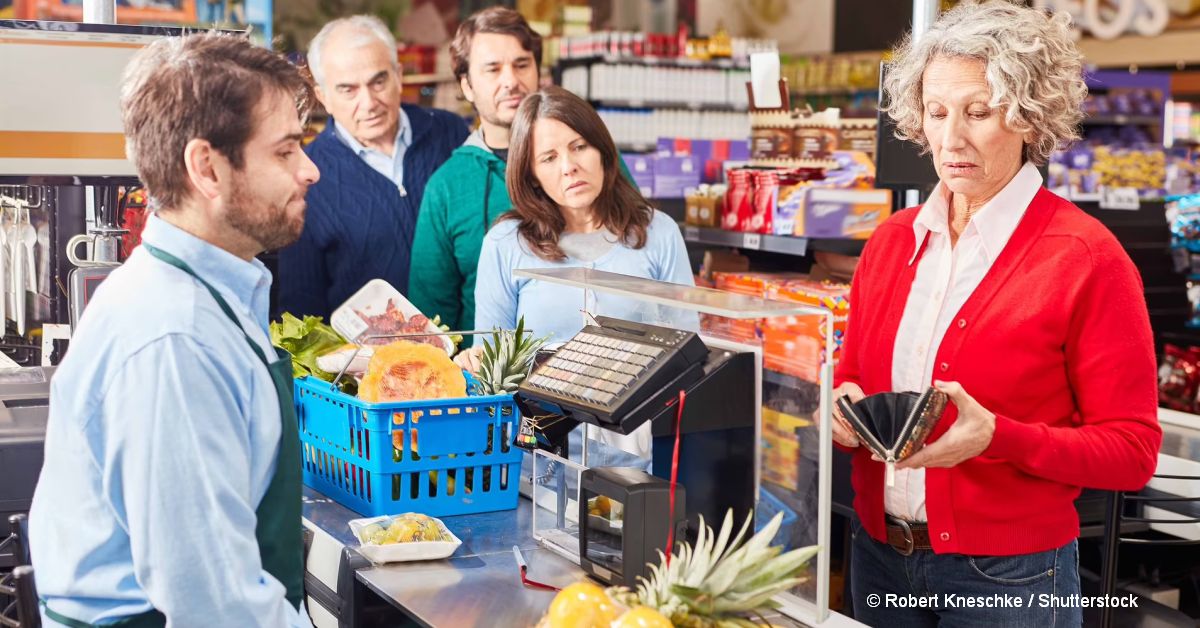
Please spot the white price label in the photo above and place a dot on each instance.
(691, 233)
(752, 241)
(1120, 198)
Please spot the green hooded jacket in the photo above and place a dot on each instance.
(462, 200)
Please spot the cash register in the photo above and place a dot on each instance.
(618, 375)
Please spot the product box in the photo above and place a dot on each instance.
(766, 185)
(703, 206)
(859, 134)
(771, 135)
(781, 447)
(788, 217)
(831, 295)
(834, 213)
(750, 284)
(794, 348)
(712, 153)
(674, 175)
(642, 169)
(795, 344)
(739, 199)
(788, 199)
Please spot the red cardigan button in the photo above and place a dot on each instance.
(945, 367)
(962, 322)
(945, 536)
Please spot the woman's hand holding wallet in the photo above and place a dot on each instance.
(968, 437)
(843, 433)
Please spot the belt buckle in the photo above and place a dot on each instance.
(910, 545)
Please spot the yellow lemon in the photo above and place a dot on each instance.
(642, 617)
(582, 605)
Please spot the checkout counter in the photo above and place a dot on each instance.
(481, 583)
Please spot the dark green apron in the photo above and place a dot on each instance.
(280, 544)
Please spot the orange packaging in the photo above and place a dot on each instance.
(830, 295)
(795, 345)
(750, 284)
(795, 348)
(781, 447)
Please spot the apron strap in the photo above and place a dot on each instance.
(279, 539)
(182, 265)
(148, 619)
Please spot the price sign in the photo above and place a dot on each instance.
(752, 241)
(691, 233)
(1120, 198)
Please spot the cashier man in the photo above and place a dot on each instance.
(170, 493)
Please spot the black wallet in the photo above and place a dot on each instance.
(894, 425)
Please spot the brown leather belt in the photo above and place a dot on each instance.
(906, 537)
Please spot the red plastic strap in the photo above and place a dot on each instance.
(535, 584)
(674, 477)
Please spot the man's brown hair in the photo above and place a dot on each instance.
(620, 207)
(205, 86)
(496, 20)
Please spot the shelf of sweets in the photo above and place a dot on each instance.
(822, 164)
(650, 104)
(677, 62)
(1122, 119)
(800, 94)
(788, 245)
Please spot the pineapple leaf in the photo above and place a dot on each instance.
(737, 540)
(783, 566)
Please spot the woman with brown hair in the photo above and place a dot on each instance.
(572, 207)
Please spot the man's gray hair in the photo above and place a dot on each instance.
(1033, 68)
(368, 29)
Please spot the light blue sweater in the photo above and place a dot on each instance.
(501, 298)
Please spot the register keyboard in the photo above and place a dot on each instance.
(606, 371)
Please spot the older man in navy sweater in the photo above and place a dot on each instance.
(375, 156)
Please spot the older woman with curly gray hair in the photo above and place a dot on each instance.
(1024, 310)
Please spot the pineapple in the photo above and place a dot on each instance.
(718, 583)
(505, 360)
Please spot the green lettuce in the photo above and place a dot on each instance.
(306, 340)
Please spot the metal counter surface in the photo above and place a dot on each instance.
(478, 586)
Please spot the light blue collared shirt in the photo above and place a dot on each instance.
(163, 434)
(501, 298)
(390, 166)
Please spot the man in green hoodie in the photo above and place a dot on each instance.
(496, 58)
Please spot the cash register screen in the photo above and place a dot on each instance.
(603, 531)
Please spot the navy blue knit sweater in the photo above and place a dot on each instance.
(358, 227)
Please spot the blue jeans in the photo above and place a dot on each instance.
(927, 590)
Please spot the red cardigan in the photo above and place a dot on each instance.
(1055, 342)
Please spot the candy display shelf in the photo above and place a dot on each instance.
(649, 104)
(678, 62)
(789, 245)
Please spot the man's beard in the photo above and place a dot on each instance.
(265, 222)
(494, 116)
